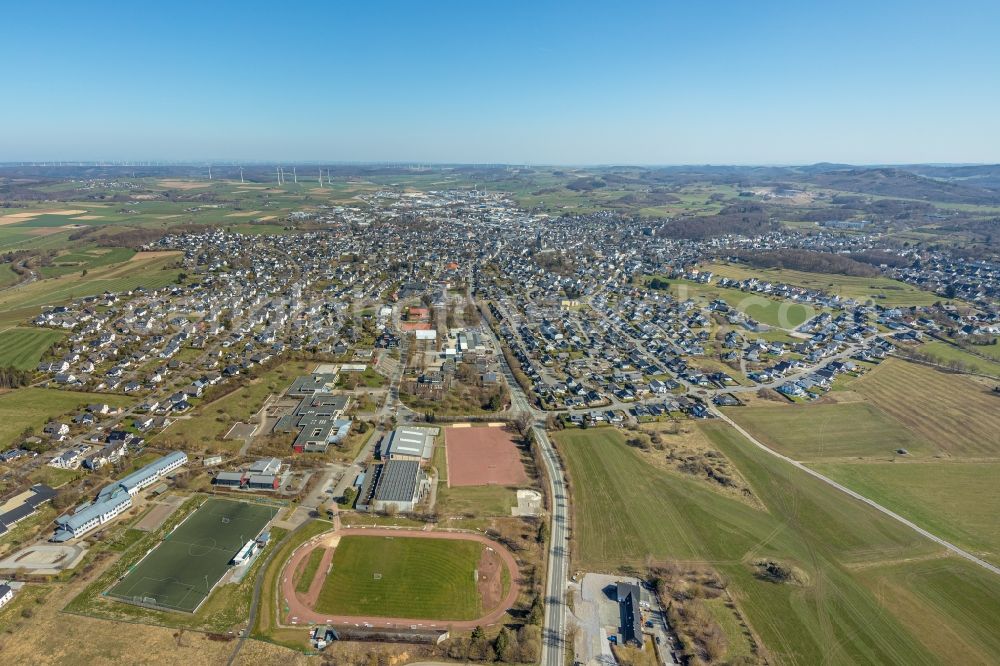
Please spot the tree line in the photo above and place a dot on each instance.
(11, 377)
(809, 261)
(742, 219)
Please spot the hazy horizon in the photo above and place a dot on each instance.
(417, 164)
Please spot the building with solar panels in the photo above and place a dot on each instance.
(397, 485)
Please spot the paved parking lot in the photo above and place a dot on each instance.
(596, 613)
(44, 559)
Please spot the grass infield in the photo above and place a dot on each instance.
(182, 570)
(431, 579)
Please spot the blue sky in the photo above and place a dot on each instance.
(518, 82)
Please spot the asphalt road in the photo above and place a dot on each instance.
(554, 627)
(557, 576)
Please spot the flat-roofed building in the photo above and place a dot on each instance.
(318, 422)
(400, 486)
(266, 466)
(408, 443)
(22, 505)
(319, 432)
(311, 384)
(263, 482)
(229, 479)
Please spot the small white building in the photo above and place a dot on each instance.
(6, 594)
(246, 553)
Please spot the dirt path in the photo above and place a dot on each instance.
(300, 606)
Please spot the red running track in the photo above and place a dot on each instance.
(300, 610)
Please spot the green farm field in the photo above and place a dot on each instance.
(809, 432)
(883, 291)
(738, 643)
(946, 603)
(627, 512)
(993, 350)
(20, 238)
(431, 579)
(148, 269)
(957, 501)
(949, 424)
(958, 415)
(34, 407)
(88, 258)
(22, 348)
(7, 276)
(548, 191)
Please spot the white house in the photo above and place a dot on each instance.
(6, 594)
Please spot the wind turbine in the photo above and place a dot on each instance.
(210, 172)
(295, 176)
(241, 175)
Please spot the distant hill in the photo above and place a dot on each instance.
(896, 182)
(977, 175)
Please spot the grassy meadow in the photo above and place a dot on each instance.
(34, 407)
(808, 432)
(309, 569)
(23, 348)
(958, 501)
(944, 353)
(882, 290)
(771, 311)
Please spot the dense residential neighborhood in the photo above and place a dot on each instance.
(323, 368)
(602, 321)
